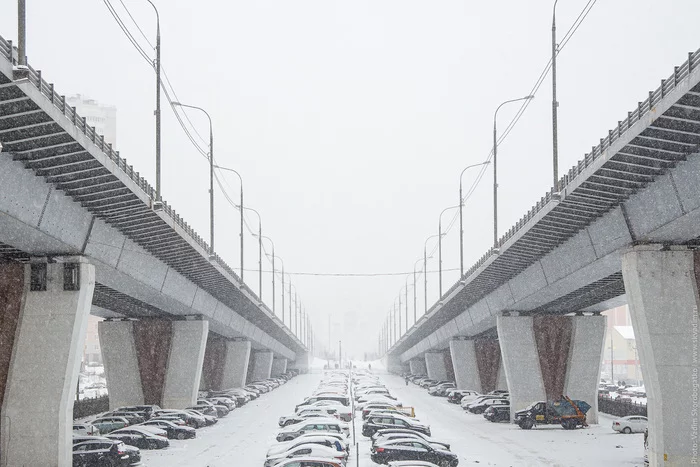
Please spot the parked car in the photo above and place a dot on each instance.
(411, 435)
(338, 398)
(630, 424)
(498, 413)
(412, 449)
(441, 389)
(109, 424)
(455, 395)
(139, 438)
(85, 429)
(375, 423)
(411, 464)
(321, 438)
(480, 407)
(310, 462)
(293, 431)
(173, 431)
(102, 452)
(569, 413)
(314, 450)
(407, 433)
(466, 403)
(191, 419)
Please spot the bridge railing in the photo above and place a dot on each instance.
(59, 102)
(620, 408)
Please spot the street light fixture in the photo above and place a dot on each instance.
(260, 236)
(240, 208)
(495, 173)
(211, 173)
(415, 290)
(425, 271)
(273, 271)
(461, 228)
(440, 235)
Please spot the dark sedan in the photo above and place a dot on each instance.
(101, 452)
(174, 431)
(379, 422)
(412, 449)
(139, 438)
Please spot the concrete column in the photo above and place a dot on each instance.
(301, 362)
(48, 310)
(153, 361)
(464, 361)
(417, 366)
(261, 362)
(214, 362)
(236, 364)
(546, 357)
(279, 366)
(435, 365)
(662, 292)
(502, 381)
(185, 363)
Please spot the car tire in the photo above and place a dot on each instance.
(526, 424)
(627, 430)
(181, 435)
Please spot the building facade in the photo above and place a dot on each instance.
(102, 117)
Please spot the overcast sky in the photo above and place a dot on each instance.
(350, 121)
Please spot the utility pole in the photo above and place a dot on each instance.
(158, 201)
(555, 104)
(21, 33)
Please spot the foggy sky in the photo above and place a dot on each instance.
(351, 121)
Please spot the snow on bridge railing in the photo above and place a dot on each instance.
(59, 102)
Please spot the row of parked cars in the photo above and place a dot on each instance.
(397, 437)
(316, 433)
(115, 438)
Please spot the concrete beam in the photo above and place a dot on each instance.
(261, 365)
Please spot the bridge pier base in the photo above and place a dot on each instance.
(279, 366)
(417, 366)
(477, 364)
(436, 366)
(236, 365)
(260, 365)
(153, 361)
(42, 332)
(546, 357)
(662, 293)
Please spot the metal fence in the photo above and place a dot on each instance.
(620, 408)
(86, 407)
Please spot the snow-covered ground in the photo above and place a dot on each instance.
(243, 438)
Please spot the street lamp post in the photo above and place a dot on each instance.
(425, 271)
(260, 237)
(461, 228)
(240, 208)
(406, 301)
(440, 246)
(555, 104)
(157, 203)
(290, 302)
(273, 271)
(211, 173)
(495, 173)
(415, 292)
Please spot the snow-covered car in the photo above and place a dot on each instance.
(85, 429)
(630, 424)
(298, 418)
(466, 403)
(315, 461)
(411, 464)
(313, 450)
(294, 431)
(481, 406)
(323, 439)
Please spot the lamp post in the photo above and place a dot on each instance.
(425, 271)
(406, 300)
(461, 228)
(158, 204)
(290, 303)
(211, 173)
(555, 104)
(273, 271)
(415, 292)
(495, 173)
(240, 208)
(440, 246)
(282, 286)
(260, 236)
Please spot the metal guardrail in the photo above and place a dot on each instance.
(59, 102)
(620, 408)
(86, 407)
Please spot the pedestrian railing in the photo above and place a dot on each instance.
(620, 407)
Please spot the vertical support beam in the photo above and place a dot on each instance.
(37, 409)
(417, 366)
(662, 292)
(184, 369)
(435, 366)
(214, 363)
(464, 360)
(261, 362)
(236, 365)
(121, 363)
(279, 366)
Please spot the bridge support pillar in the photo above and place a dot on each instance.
(417, 366)
(236, 365)
(546, 357)
(279, 366)
(261, 365)
(153, 361)
(435, 366)
(43, 322)
(477, 364)
(662, 293)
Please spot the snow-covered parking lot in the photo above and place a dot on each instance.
(243, 438)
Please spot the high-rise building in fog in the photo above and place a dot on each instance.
(102, 117)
